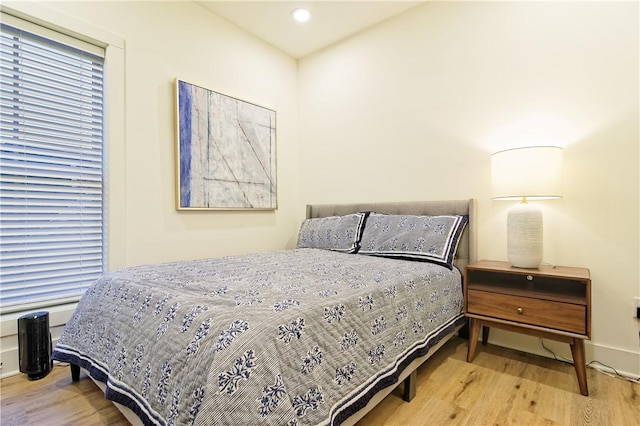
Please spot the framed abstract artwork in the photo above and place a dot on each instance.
(226, 152)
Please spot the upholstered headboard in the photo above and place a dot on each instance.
(467, 248)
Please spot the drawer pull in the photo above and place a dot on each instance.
(529, 277)
(520, 311)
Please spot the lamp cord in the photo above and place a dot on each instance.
(616, 373)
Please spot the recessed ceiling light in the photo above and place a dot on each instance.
(301, 15)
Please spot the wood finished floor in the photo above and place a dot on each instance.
(501, 387)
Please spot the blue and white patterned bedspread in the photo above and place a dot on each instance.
(291, 337)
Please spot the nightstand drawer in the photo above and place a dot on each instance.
(544, 313)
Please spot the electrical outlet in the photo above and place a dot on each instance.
(636, 307)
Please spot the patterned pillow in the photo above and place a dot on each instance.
(429, 238)
(338, 233)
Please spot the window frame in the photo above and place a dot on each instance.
(114, 138)
(55, 173)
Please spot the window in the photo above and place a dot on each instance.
(51, 167)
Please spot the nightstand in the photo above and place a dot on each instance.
(552, 302)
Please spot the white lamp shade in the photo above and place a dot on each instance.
(533, 172)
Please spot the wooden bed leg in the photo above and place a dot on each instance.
(410, 386)
(75, 372)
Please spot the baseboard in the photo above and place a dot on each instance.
(9, 362)
(626, 363)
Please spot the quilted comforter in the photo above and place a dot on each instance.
(292, 337)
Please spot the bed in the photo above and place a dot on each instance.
(318, 334)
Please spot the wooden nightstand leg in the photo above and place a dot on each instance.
(577, 351)
(474, 330)
(485, 335)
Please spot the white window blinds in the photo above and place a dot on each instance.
(51, 169)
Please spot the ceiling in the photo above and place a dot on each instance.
(330, 21)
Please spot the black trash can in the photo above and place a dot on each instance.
(34, 345)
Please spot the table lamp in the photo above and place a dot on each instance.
(531, 173)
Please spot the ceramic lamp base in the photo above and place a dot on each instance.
(524, 236)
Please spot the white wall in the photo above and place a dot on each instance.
(412, 109)
(162, 41)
